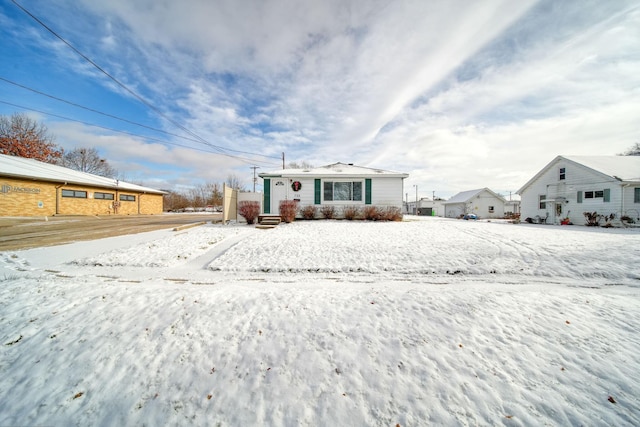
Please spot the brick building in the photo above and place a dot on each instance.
(32, 188)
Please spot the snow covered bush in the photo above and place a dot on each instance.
(309, 212)
(249, 210)
(328, 211)
(288, 209)
(350, 212)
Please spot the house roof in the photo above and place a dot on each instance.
(20, 167)
(620, 168)
(465, 196)
(335, 170)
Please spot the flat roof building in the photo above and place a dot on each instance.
(32, 188)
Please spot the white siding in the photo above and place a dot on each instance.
(565, 194)
(479, 205)
(385, 191)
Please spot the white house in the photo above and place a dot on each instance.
(482, 202)
(338, 184)
(569, 186)
(426, 206)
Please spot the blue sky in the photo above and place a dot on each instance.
(459, 94)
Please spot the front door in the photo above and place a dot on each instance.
(279, 193)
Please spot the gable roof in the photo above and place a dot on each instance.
(620, 168)
(20, 167)
(336, 170)
(465, 196)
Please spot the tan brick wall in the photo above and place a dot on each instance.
(34, 198)
(26, 198)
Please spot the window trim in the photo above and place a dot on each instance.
(352, 190)
(98, 195)
(563, 174)
(127, 198)
(75, 194)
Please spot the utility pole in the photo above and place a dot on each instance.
(416, 212)
(254, 177)
(283, 160)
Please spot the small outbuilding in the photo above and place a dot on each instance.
(483, 203)
(337, 184)
(569, 186)
(32, 188)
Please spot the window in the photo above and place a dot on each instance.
(343, 191)
(103, 196)
(636, 195)
(127, 198)
(562, 173)
(75, 194)
(490, 209)
(588, 194)
(541, 204)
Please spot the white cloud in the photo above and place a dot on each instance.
(459, 94)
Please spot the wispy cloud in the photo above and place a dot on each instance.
(460, 94)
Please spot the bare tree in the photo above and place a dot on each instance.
(87, 160)
(213, 192)
(234, 182)
(24, 137)
(174, 200)
(302, 165)
(633, 151)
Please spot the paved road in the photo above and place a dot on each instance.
(24, 233)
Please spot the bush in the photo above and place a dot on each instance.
(249, 210)
(309, 212)
(371, 213)
(391, 213)
(328, 212)
(350, 212)
(288, 209)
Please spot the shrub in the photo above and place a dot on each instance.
(371, 213)
(328, 211)
(391, 213)
(288, 209)
(249, 210)
(350, 212)
(309, 212)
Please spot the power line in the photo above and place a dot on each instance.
(253, 161)
(125, 120)
(116, 81)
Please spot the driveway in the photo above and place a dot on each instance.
(31, 232)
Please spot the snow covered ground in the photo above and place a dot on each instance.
(422, 322)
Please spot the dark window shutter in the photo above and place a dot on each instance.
(317, 191)
(267, 196)
(579, 196)
(606, 195)
(367, 191)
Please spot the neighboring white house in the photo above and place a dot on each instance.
(571, 185)
(426, 206)
(482, 202)
(338, 184)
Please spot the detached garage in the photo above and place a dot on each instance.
(337, 184)
(32, 188)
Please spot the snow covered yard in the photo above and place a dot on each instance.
(426, 322)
